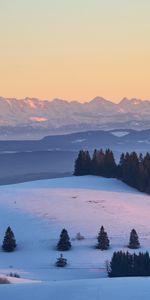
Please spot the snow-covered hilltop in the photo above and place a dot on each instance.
(29, 115)
(37, 211)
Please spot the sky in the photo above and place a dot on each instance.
(75, 49)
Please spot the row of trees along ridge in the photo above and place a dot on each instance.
(133, 169)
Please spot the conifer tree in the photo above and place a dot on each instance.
(97, 162)
(134, 240)
(103, 241)
(120, 166)
(9, 242)
(110, 167)
(64, 243)
(120, 265)
(82, 164)
(61, 261)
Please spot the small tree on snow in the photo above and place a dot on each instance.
(79, 237)
(103, 241)
(64, 243)
(9, 242)
(134, 240)
(61, 261)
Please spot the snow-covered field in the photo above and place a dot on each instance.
(97, 289)
(37, 211)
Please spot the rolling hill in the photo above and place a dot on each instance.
(37, 211)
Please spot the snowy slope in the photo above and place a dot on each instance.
(37, 211)
(99, 289)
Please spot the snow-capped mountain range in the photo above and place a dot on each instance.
(31, 117)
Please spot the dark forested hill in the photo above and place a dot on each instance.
(116, 139)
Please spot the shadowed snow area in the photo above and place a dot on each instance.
(105, 289)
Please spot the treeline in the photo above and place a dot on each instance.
(126, 264)
(132, 168)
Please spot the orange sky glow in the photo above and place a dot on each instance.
(75, 50)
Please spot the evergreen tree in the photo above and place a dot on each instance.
(142, 178)
(110, 167)
(103, 241)
(134, 240)
(78, 164)
(61, 261)
(134, 169)
(82, 164)
(120, 166)
(64, 243)
(94, 163)
(120, 265)
(97, 163)
(9, 242)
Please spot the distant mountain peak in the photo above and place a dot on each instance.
(132, 101)
(61, 116)
(124, 100)
(99, 99)
(57, 100)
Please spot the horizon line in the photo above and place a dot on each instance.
(71, 101)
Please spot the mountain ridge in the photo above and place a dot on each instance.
(97, 98)
(32, 117)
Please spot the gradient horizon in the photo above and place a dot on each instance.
(75, 50)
